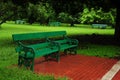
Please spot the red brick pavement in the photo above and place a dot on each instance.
(117, 76)
(77, 67)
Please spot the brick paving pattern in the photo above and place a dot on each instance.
(77, 67)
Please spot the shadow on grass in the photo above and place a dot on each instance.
(98, 45)
(97, 39)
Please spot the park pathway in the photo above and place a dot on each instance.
(79, 67)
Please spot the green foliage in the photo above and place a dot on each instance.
(112, 15)
(66, 18)
(21, 74)
(6, 11)
(98, 50)
(87, 16)
(40, 12)
(14, 73)
(31, 13)
(97, 16)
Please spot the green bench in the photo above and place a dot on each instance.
(101, 26)
(54, 23)
(47, 44)
(19, 22)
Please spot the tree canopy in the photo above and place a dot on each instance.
(44, 9)
(74, 11)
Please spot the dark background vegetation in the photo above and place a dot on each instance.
(65, 11)
(73, 11)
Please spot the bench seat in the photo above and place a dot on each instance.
(41, 49)
(66, 46)
(40, 53)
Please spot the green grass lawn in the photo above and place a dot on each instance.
(8, 56)
(109, 51)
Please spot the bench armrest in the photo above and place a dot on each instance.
(24, 48)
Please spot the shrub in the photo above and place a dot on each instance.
(97, 16)
(66, 18)
(22, 74)
(87, 16)
(40, 12)
(11, 73)
(63, 17)
(7, 11)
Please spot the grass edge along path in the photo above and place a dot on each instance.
(14, 73)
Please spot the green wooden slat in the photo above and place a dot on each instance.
(45, 51)
(40, 45)
(40, 35)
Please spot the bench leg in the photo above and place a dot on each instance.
(29, 63)
(32, 65)
(46, 57)
(73, 51)
(55, 55)
(20, 61)
(58, 56)
(65, 52)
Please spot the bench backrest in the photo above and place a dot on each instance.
(40, 35)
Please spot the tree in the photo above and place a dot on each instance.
(32, 11)
(7, 11)
(66, 18)
(117, 27)
(93, 15)
(45, 12)
(86, 16)
(40, 12)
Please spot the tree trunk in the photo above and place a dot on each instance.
(72, 23)
(5, 19)
(117, 26)
(2, 22)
